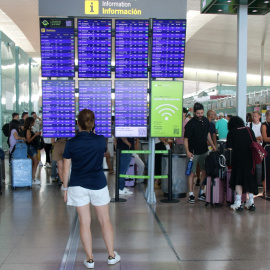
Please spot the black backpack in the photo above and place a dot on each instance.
(5, 129)
(215, 164)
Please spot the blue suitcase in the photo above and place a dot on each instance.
(21, 173)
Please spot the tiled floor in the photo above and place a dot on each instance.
(35, 225)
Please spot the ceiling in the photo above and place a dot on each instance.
(211, 41)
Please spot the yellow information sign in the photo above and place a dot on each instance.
(92, 7)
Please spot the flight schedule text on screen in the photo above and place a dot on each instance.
(94, 48)
(131, 48)
(168, 50)
(96, 96)
(57, 47)
(131, 108)
(58, 104)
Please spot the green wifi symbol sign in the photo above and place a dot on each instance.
(166, 110)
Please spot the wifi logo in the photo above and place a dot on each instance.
(167, 111)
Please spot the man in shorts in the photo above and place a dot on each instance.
(195, 141)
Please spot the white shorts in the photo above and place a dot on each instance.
(79, 196)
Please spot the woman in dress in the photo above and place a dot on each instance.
(242, 180)
(87, 184)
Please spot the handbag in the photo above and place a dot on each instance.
(38, 142)
(258, 152)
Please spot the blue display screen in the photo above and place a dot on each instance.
(131, 48)
(131, 108)
(168, 50)
(58, 105)
(96, 96)
(57, 47)
(94, 48)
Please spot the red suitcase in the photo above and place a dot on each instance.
(230, 194)
(214, 191)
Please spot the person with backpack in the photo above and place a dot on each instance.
(32, 152)
(195, 141)
(242, 180)
(14, 134)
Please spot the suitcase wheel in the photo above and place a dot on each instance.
(206, 204)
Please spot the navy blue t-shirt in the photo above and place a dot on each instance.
(86, 151)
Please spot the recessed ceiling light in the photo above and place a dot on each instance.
(266, 2)
(220, 10)
(229, 1)
(254, 10)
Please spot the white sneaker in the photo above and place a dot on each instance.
(47, 165)
(250, 205)
(36, 182)
(40, 163)
(125, 191)
(89, 264)
(114, 260)
(237, 206)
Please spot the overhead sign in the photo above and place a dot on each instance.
(166, 108)
(169, 9)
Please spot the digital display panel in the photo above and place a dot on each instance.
(57, 47)
(94, 48)
(168, 50)
(58, 105)
(131, 108)
(96, 96)
(131, 48)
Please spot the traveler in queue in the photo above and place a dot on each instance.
(31, 150)
(195, 140)
(242, 180)
(266, 140)
(88, 184)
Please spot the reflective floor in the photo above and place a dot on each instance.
(37, 229)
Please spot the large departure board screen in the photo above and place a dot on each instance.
(131, 108)
(58, 105)
(57, 47)
(94, 48)
(131, 48)
(168, 50)
(96, 96)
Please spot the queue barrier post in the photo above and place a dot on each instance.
(117, 199)
(170, 199)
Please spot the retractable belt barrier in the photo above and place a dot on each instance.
(118, 175)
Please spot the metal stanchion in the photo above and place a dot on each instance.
(170, 199)
(117, 199)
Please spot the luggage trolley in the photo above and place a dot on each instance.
(267, 172)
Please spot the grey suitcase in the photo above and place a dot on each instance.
(21, 173)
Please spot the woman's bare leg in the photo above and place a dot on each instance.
(106, 227)
(85, 231)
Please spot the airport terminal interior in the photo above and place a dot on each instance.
(38, 231)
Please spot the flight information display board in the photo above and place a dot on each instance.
(57, 47)
(94, 48)
(131, 108)
(58, 105)
(96, 96)
(131, 48)
(168, 50)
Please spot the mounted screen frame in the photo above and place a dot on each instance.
(181, 66)
(47, 122)
(46, 24)
(132, 77)
(109, 114)
(99, 20)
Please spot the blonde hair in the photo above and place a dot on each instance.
(86, 119)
